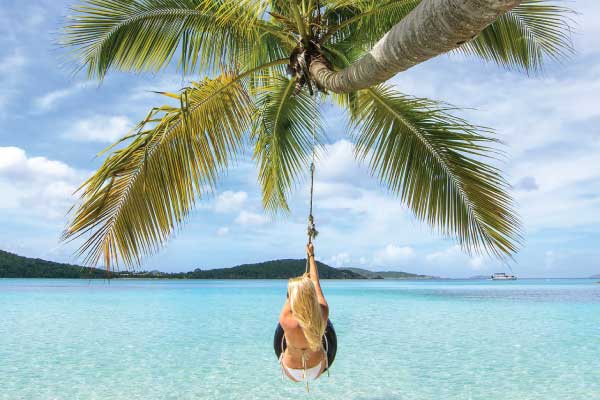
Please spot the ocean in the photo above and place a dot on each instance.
(129, 339)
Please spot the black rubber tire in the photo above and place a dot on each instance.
(329, 342)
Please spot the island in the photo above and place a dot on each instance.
(15, 266)
(275, 269)
(389, 274)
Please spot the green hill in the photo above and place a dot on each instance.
(388, 274)
(14, 266)
(366, 273)
(276, 269)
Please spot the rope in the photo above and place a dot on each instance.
(311, 229)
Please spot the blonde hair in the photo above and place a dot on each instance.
(307, 310)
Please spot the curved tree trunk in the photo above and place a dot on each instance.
(434, 27)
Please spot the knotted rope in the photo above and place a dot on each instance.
(311, 229)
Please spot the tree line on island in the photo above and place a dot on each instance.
(14, 266)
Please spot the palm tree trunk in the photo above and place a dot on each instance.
(434, 27)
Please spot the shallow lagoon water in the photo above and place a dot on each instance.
(79, 339)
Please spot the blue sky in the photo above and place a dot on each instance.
(53, 122)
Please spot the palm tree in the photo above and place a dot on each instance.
(266, 58)
(433, 27)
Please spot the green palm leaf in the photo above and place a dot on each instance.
(363, 23)
(435, 162)
(283, 139)
(143, 191)
(525, 36)
(145, 35)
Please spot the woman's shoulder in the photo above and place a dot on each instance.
(288, 322)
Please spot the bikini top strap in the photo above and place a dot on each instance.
(281, 358)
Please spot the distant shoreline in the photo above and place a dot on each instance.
(15, 266)
(18, 267)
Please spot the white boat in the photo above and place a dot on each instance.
(501, 276)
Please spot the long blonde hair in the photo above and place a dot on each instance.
(307, 310)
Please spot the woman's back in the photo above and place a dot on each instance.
(297, 344)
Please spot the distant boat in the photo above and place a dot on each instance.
(501, 276)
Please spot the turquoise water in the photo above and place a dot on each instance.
(529, 339)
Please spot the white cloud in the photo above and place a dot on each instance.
(17, 167)
(223, 231)
(340, 260)
(250, 218)
(99, 129)
(587, 28)
(456, 257)
(49, 100)
(528, 114)
(338, 163)
(477, 262)
(230, 201)
(36, 185)
(393, 255)
(567, 194)
(444, 255)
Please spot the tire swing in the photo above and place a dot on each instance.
(329, 343)
(329, 338)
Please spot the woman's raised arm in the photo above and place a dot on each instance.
(314, 277)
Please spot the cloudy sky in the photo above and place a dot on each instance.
(53, 122)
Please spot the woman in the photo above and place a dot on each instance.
(304, 320)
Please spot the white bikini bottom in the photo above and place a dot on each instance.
(301, 375)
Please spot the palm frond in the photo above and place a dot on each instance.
(366, 22)
(143, 191)
(435, 162)
(145, 35)
(269, 47)
(524, 37)
(283, 139)
(278, 6)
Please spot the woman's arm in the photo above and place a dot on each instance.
(314, 277)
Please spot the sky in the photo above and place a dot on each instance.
(53, 122)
